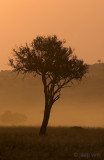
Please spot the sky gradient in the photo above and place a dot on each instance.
(80, 23)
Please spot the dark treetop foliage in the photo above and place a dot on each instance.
(47, 57)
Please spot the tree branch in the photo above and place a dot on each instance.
(56, 98)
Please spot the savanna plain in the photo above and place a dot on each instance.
(60, 143)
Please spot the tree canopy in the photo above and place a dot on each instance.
(49, 57)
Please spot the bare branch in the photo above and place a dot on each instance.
(56, 98)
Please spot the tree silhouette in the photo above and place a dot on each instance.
(10, 118)
(55, 63)
(99, 61)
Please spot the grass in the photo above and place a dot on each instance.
(61, 143)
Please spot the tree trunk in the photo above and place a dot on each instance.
(45, 121)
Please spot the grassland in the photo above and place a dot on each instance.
(61, 143)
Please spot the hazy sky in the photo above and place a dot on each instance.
(80, 22)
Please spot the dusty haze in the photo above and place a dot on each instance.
(80, 22)
(22, 101)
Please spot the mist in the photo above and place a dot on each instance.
(80, 105)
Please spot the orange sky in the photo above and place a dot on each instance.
(80, 22)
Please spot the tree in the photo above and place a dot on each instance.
(55, 63)
(10, 118)
(99, 61)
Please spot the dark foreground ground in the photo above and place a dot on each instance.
(23, 143)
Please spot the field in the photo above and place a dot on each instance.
(60, 143)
